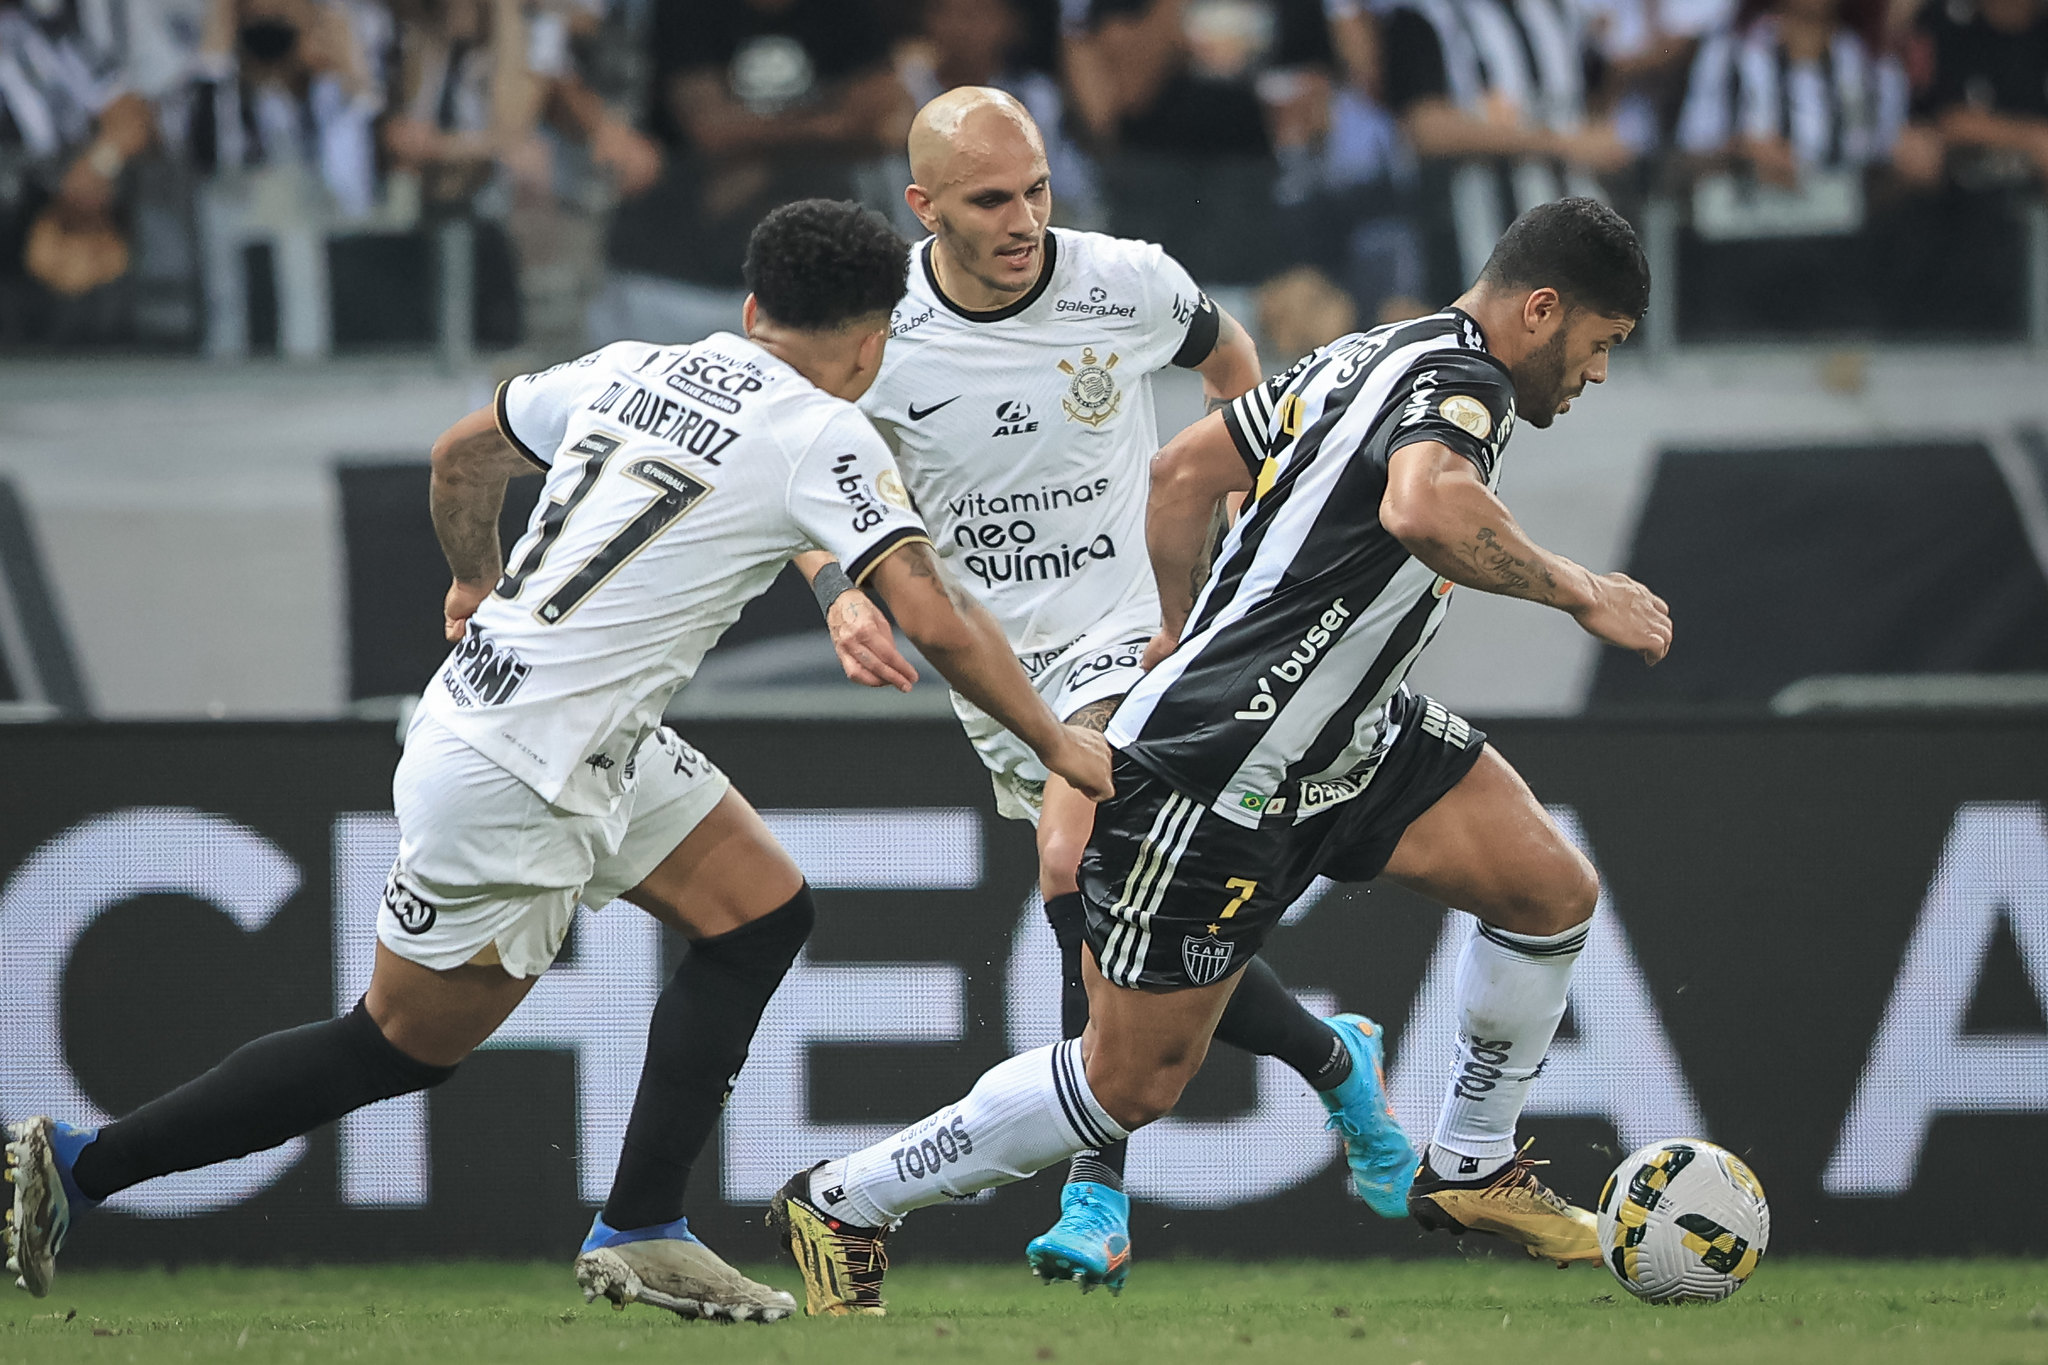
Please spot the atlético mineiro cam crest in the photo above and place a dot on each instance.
(1205, 959)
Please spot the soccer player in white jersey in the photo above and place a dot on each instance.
(1275, 740)
(1017, 397)
(537, 773)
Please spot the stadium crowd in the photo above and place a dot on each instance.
(172, 169)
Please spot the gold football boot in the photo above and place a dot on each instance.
(842, 1263)
(1510, 1203)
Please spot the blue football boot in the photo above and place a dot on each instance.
(40, 1155)
(1381, 1158)
(667, 1267)
(1091, 1242)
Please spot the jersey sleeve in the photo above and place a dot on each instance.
(533, 410)
(846, 497)
(1253, 418)
(1184, 322)
(1459, 399)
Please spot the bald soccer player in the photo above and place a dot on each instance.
(1016, 394)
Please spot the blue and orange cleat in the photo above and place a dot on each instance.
(1091, 1243)
(1381, 1158)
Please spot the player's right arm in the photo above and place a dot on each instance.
(861, 636)
(472, 461)
(966, 645)
(1442, 512)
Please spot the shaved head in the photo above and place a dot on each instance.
(980, 185)
(967, 129)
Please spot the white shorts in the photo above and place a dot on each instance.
(1092, 669)
(483, 862)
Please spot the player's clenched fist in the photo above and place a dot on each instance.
(1628, 615)
(459, 605)
(1082, 758)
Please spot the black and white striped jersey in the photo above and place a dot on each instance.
(1843, 110)
(1274, 707)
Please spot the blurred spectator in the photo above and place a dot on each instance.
(477, 77)
(1797, 91)
(989, 42)
(285, 83)
(1987, 97)
(1173, 76)
(1796, 119)
(1346, 197)
(1644, 49)
(1218, 116)
(1300, 310)
(1491, 94)
(477, 80)
(760, 102)
(68, 128)
(774, 97)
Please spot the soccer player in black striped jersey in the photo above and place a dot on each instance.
(1274, 739)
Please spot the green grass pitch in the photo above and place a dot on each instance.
(1185, 1312)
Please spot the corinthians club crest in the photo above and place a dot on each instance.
(1093, 397)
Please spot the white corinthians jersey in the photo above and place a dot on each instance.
(1026, 433)
(1274, 707)
(680, 479)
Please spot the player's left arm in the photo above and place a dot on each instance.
(472, 463)
(1442, 512)
(861, 636)
(1233, 366)
(1190, 478)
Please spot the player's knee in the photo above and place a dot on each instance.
(1548, 900)
(1059, 862)
(392, 1058)
(1137, 1095)
(765, 945)
(1561, 899)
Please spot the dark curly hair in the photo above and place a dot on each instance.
(1581, 248)
(818, 264)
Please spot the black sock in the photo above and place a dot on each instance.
(1104, 1166)
(1264, 1019)
(264, 1093)
(1065, 915)
(696, 1045)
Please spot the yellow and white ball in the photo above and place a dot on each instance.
(1683, 1221)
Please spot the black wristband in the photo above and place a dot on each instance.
(827, 587)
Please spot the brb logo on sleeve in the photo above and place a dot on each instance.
(859, 494)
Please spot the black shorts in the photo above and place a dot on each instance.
(1177, 896)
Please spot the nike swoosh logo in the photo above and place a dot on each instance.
(918, 414)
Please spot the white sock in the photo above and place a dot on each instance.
(1022, 1116)
(1511, 995)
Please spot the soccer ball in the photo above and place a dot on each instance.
(1683, 1221)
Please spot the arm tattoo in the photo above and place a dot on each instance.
(1095, 715)
(924, 563)
(465, 509)
(1498, 568)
